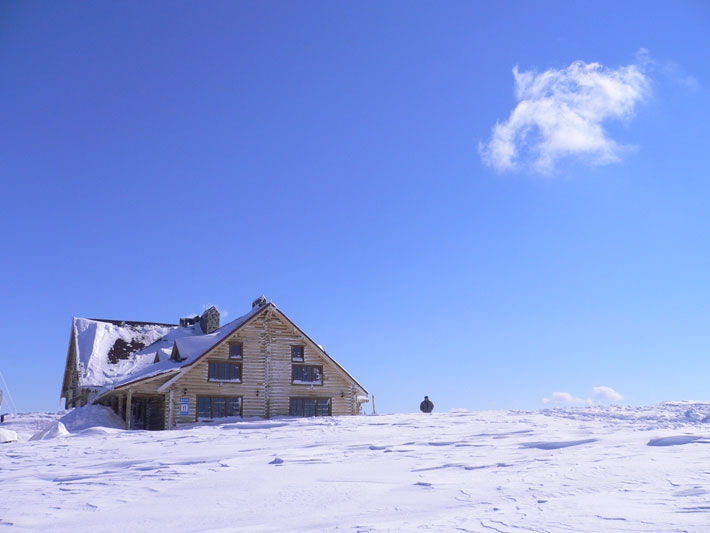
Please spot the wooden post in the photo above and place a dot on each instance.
(170, 423)
(121, 407)
(129, 416)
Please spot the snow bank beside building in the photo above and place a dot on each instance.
(7, 435)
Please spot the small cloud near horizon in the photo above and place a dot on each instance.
(603, 393)
(563, 397)
(560, 114)
(600, 393)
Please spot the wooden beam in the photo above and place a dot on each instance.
(129, 416)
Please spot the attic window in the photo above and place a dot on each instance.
(235, 350)
(297, 353)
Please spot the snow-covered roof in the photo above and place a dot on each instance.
(111, 353)
(108, 350)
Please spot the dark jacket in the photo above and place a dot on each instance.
(426, 406)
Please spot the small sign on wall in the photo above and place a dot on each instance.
(184, 406)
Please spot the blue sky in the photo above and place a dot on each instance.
(500, 205)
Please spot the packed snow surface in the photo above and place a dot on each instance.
(589, 469)
(7, 435)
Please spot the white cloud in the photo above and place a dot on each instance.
(601, 393)
(563, 397)
(604, 393)
(560, 114)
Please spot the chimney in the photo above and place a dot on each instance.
(209, 321)
(259, 302)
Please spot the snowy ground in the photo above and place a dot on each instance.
(589, 469)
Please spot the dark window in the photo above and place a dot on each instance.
(219, 406)
(204, 407)
(310, 407)
(223, 371)
(296, 353)
(296, 407)
(235, 350)
(307, 374)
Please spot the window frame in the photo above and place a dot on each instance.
(240, 356)
(221, 364)
(294, 349)
(227, 405)
(317, 368)
(316, 411)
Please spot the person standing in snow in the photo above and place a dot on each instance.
(426, 406)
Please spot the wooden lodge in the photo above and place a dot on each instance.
(157, 376)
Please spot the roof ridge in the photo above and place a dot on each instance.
(131, 322)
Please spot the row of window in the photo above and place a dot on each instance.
(229, 371)
(219, 406)
(236, 351)
(223, 406)
(310, 407)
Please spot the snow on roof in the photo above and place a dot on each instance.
(106, 350)
(112, 353)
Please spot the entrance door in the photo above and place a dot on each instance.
(148, 413)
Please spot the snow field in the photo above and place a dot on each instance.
(587, 469)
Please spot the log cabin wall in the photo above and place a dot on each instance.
(195, 381)
(333, 384)
(266, 385)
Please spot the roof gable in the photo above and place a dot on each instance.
(320, 350)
